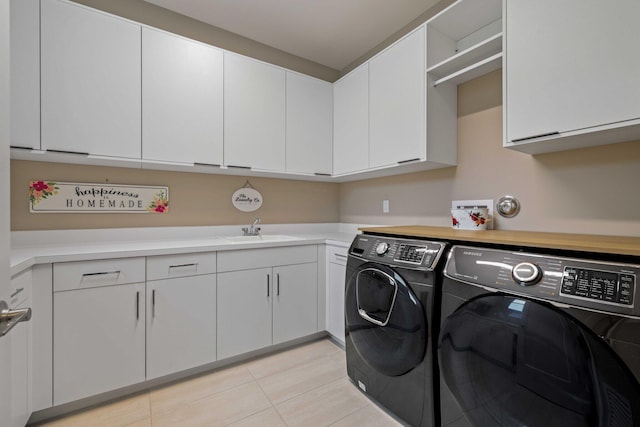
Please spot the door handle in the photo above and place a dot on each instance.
(10, 318)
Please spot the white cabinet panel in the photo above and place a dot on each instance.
(181, 324)
(181, 99)
(351, 122)
(254, 114)
(336, 265)
(397, 102)
(25, 73)
(309, 125)
(244, 311)
(295, 306)
(21, 353)
(98, 340)
(90, 81)
(569, 66)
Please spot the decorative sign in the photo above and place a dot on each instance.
(52, 197)
(247, 198)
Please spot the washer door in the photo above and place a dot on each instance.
(512, 361)
(385, 320)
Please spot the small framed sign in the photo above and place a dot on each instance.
(247, 198)
(57, 197)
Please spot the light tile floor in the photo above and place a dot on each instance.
(305, 386)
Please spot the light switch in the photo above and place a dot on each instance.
(385, 206)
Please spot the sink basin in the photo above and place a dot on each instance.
(262, 238)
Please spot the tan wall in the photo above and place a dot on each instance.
(592, 190)
(195, 199)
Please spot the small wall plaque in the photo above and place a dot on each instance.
(57, 197)
(247, 198)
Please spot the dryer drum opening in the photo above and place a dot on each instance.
(514, 361)
(391, 336)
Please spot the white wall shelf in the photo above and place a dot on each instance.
(464, 41)
(474, 70)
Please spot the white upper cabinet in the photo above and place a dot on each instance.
(351, 122)
(182, 101)
(397, 112)
(571, 74)
(25, 73)
(90, 81)
(309, 125)
(254, 114)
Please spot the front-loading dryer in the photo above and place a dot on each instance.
(532, 339)
(391, 314)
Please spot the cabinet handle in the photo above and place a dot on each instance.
(102, 273)
(16, 292)
(81, 153)
(138, 305)
(238, 167)
(193, 264)
(268, 279)
(153, 303)
(278, 283)
(401, 162)
(542, 135)
(340, 255)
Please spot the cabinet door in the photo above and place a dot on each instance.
(181, 324)
(570, 65)
(90, 81)
(25, 73)
(254, 114)
(98, 340)
(295, 307)
(181, 99)
(244, 311)
(21, 360)
(335, 319)
(20, 367)
(351, 122)
(397, 102)
(309, 125)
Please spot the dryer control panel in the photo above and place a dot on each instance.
(600, 285)
(407, 253)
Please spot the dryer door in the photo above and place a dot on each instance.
(385, 320)
(511, 361)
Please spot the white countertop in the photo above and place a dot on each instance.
(29, 248)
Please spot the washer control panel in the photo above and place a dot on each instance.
(603, 285)
(600, 285)
(408, 253)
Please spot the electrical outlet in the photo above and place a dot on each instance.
(385, 206)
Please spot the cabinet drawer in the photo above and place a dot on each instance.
(337, 254)
(168, 266)
(90, 274)
(258, 258)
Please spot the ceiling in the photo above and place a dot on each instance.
(333, 33)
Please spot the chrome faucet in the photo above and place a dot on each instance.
(252, 230)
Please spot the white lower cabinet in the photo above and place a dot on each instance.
(98, 340)
(244, 311)
(181, 324)
(98, 327)
(265, 297)
(337, 268)
(295, 301)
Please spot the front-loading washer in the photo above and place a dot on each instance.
(532, 339)
(391, 315)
